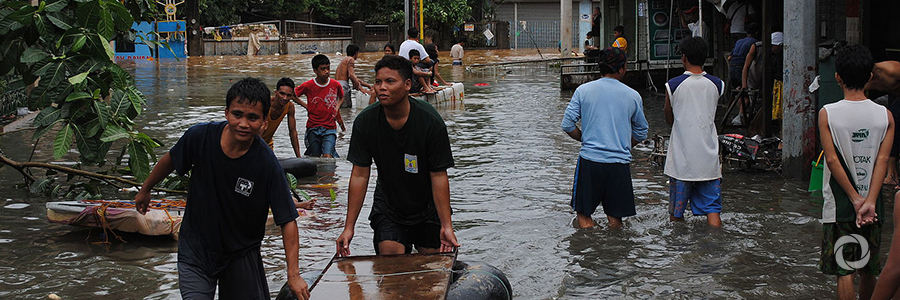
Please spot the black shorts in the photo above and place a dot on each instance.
(606, 183)
(242, 278)
(426, 234)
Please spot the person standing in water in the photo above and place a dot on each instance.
(612, 116)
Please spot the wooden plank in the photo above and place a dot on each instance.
(405, 276)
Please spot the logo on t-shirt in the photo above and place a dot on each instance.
(244, 187)
(861, 174)
(411, 163)
(859, 135)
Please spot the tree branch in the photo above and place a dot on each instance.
(23, 166)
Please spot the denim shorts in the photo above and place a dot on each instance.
(319, 141)
(705, 197)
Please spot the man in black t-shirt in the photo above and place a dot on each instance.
(235, 180)
(408, 141)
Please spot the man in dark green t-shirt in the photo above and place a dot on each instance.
(408, 141)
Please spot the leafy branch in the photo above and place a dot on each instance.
(63, 48)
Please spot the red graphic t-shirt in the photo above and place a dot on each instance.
(321, 102)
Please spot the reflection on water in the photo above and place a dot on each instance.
(510, 193)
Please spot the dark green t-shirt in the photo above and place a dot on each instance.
(404, 158)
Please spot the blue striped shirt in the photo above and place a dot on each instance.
(611, 114)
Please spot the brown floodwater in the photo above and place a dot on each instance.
(511, 188)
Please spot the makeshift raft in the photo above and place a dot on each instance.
(436, 276)
(445, 95)
(163, 217)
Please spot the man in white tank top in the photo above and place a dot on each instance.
(856, 136)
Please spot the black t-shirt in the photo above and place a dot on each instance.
(229, 198)
(404, 158)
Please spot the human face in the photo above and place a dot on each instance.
(388, 51)
(390, 87)
(283, 95)
(414, 59)
(244, 120)
(322, 72)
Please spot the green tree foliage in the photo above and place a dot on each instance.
(84, 97)
(438, 13)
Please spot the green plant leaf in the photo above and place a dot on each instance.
(123, 18)
(107, 48)
(102, 111)
(58, 21)
(46, 117)
(40, 24)
(78, 96)
(87, 14)
(40, 186)
(136, 98)
(120, 77)
(33, 55)
(76, 80)
(78, 44)
(119, 104)
(112, 133)
(56, 6)
(63, 141)
(106, 28)
(138, 160)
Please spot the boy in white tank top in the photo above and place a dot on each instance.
(692, 161)
(856, 136)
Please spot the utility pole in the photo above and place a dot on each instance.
(405, 18)
(194, 31)
(565, 28)
(799, 127)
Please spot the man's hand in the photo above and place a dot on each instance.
(448, 239)
(343, 242)
(866, 215)
(298, 286)
(142, 201)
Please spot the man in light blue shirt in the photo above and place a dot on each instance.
(612, 118)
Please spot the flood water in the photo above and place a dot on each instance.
(510, 193)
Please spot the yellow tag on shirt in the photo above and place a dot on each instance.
(411, 163)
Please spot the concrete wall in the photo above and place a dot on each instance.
(212, 47)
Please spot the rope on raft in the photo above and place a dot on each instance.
(161, 204)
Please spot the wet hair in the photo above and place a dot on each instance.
(431, 49)
(854, 64)
(396, 63)
(753, 29)
(414, 52)
(249, 91)
(284, 81)
(412, 32)
(611, 60)
(620, 29)
(320, 60)
(694, 49)
(352, 49)
(389, 46)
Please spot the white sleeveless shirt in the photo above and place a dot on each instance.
(857, 128)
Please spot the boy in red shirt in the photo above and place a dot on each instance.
(323, 98)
